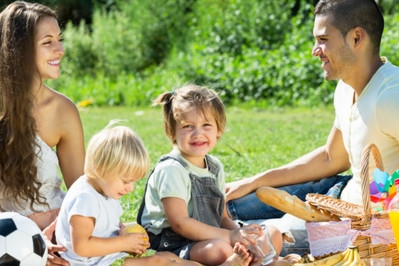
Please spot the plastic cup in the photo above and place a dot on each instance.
(264, 251)
(378, 261)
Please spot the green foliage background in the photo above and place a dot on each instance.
(252, 51)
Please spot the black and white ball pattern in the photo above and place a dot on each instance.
(21, 241)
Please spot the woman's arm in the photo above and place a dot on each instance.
(53, 258)
(86, 245)
(70, 147)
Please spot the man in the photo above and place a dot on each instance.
(348, 35)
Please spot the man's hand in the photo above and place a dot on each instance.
(53, 258)
(237, 189)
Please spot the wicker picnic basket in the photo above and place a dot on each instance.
(360, 215)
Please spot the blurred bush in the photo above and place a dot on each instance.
(251, 51)
(257, 51)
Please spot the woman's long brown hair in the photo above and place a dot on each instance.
(18, 72)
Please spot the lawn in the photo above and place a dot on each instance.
(255, 139)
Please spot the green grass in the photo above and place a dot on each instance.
(255, 139)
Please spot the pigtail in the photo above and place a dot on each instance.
(166, 100)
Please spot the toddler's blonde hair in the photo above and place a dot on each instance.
(116, 150)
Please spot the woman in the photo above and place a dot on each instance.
(34, 118)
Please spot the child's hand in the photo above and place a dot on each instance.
(136, 243)
(247, 234)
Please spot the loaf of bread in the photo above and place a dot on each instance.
(287, 203)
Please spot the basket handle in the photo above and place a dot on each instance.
(365, 178)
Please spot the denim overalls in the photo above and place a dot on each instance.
(208, 204)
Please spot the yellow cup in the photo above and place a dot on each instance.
(394, 218)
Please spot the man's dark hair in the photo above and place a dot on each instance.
(348, 14)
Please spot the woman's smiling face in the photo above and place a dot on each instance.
(48, 48)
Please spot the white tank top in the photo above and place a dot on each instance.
(47, 172)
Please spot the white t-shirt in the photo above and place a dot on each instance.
(373, 118)
(82, 199)
(171, 179)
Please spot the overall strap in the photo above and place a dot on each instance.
(213, 167)
(207, 199)
(163, 158)
(179, 159)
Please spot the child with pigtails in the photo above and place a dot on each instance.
(183, 208)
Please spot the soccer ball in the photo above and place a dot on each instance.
(21, 241)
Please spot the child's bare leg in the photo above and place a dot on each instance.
(176, 260)
(211, 252)
(240, 257)
(160, 259)
(150, 260)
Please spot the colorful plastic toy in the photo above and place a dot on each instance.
(382, 189)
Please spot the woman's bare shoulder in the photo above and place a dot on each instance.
(60, 105)
(58, 117)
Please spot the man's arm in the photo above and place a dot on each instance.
(325, 161)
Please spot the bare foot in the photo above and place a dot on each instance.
(240, 257)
